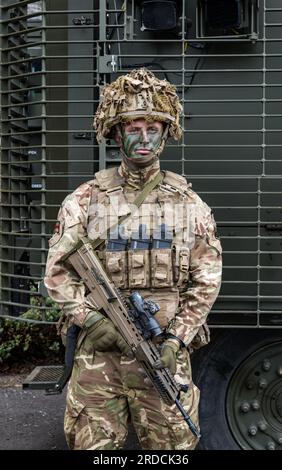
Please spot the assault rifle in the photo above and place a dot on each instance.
(133, 318)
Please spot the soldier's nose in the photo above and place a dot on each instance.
(144, 137)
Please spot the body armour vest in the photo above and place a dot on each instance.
(150, 251)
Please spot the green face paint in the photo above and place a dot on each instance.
(141, 139)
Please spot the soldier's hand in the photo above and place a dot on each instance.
(168, 357)
(105, 337)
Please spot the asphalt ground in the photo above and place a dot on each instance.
(30, 420)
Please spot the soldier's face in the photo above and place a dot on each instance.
(141, 138)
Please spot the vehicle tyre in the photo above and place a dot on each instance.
(239, 375)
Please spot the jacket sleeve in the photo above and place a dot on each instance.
(205, 281)
(62, 282)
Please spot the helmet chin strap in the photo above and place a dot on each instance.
(145, 160)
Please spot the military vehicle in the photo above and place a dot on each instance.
(225, 59)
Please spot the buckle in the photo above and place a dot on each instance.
(168, 188)
(115, 189)
(183, 261)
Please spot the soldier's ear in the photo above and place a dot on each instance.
(116, 133)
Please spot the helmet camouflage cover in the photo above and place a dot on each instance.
(139, 94)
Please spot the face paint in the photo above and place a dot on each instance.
(141, 139)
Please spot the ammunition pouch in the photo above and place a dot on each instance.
(138, 269)
(181, 262)
(161, 268)
(117, 266)
(144, 269)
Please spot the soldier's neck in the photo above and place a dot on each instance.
(138, 177)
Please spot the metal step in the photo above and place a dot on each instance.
(44, 378)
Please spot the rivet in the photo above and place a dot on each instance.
(245, 407)
(266, 364)
(262, 425)
(270, 445)
(255, 405)
(262, 383)
(253, 430)
(279, 370)
(250, 385)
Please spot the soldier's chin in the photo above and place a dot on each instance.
(142, 160)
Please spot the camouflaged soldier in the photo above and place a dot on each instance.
(180, 270)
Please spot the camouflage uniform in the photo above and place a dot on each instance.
(107, 387)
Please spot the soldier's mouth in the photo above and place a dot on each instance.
(143, 151)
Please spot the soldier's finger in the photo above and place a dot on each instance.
(159, 364)
(122, 345)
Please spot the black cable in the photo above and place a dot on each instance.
(199, 64)
(116, 23)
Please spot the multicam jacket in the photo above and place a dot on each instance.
(182, 273)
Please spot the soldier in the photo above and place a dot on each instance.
(167, 250)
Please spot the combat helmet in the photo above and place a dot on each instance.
(138, 94)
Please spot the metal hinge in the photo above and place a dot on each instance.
(107, 63)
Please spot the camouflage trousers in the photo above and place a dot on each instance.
(106, 390)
